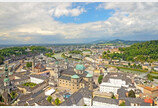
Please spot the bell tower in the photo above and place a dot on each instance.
(33, 64)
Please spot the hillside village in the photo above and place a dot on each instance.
(78, 76)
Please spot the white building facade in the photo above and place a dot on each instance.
(112, 85)
(36, 80)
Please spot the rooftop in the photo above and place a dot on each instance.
(89, 75)
(75, 76)
(80, 67)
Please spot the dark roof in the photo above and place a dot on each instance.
(77, 96)
(65, 77)
(36, 94)
(121, 92)
(25, 97)
(21, 103)
(22, 79)
(139, 101)
(85, 92)
(44, 102)
(117, 75)
(69, 71)
(106, 100)
(39, 76)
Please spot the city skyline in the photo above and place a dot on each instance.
(37, 23)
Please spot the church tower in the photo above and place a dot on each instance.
(66, 64)
(6, 79)
(33, 64)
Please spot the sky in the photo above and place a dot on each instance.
(51, 23)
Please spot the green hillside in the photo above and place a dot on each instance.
(146, 51)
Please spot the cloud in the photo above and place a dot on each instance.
(35, 22)
(65, 9)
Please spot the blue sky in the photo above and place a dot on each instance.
(91, 15)
(29, 23)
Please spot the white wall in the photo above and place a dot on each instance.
(112, 85)
(36, 80)
(87, 101)
(96, 103)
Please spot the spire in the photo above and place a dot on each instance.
(6, 70)
(33, 64)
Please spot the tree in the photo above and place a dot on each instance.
(13, 94)
(100, 79)
(104, 52)
(1, 60)
(113, 96)
(29, 64)
(131, 94)
(108, 51)
(1, 98)
(122, 104)
(49, 99)
(57, 101)
(150, 77)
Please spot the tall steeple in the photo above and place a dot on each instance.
(33, 64)
(6, 79)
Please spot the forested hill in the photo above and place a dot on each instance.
(146, 51)
(116, 42)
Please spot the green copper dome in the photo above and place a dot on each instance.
(80, 67)
(89, 75)
(6, 79)
(75, 76)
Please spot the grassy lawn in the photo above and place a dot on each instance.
(30, 84)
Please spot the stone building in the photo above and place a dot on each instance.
(74, 79)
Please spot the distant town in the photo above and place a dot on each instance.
(116, 73)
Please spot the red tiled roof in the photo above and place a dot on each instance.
(148, 100)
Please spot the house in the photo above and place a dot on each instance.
(145, 66)
(106, 61)
(149, 91)
(124, 63)
(112, 69)
(115, 62)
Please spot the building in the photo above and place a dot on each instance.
(38, 78)
(112, 69)
(148, 91)
(102, 101)
(156, 68)
(80, 98)
(114, 81)
(74, 79)
(134, 102)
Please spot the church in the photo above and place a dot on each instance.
(75, 78)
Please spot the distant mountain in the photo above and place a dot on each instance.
(115, 42)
